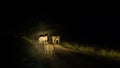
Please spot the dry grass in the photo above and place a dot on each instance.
(91, 50)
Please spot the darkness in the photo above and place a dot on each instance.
(100, 30)
(103, 30)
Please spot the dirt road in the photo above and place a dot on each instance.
(25, 54)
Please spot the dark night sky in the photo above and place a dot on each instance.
(73, 19)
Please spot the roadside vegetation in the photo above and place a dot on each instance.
(80, 48)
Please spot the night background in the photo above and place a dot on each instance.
(99, 31)
(85, 29)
